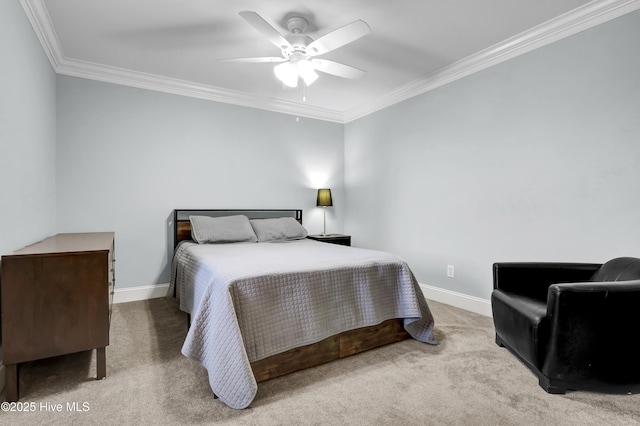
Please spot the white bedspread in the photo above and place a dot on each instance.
(249, 301)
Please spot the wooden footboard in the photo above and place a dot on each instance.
(332, 348)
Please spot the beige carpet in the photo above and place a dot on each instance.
(466, 379)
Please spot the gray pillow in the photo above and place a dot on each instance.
(225, 229)
(278, 229)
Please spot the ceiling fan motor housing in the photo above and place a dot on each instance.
(297, 24)
(299, 42)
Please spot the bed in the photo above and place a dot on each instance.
(270, 302)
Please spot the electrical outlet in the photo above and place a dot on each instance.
(450, 271)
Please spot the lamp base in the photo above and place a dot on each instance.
(324, 216)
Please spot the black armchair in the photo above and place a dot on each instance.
(575, 325)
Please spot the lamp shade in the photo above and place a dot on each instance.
(287, 74)
(324, 198)
(307, 72)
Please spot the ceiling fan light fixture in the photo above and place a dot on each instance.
(287, 74)
(307, 71)
(308, 80)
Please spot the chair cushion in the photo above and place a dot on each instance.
(522, 325)
(619, 269)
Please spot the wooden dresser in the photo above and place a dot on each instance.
(56, 299)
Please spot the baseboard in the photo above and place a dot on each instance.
(459, 300)
(134, 294)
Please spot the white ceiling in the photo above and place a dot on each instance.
(414, 46)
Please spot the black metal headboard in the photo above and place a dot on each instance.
(182, 225)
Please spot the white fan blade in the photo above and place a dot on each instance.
(336, 68)
(339, 37)
(254, 60)
(264, 28)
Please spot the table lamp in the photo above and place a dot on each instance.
(324, 201)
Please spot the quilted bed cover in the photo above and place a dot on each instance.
(249, 301)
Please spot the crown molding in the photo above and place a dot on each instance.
(39, 18)
(141, 80)
(582, 18)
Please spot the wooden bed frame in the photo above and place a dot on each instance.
(334, 347)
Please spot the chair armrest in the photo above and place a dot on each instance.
(592, 326)
(532, 279)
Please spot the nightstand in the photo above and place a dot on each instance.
(341, 239)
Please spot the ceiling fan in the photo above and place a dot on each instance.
(299, 51)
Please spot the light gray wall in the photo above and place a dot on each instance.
(127, 157)
(27, 134)
(536, 159)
